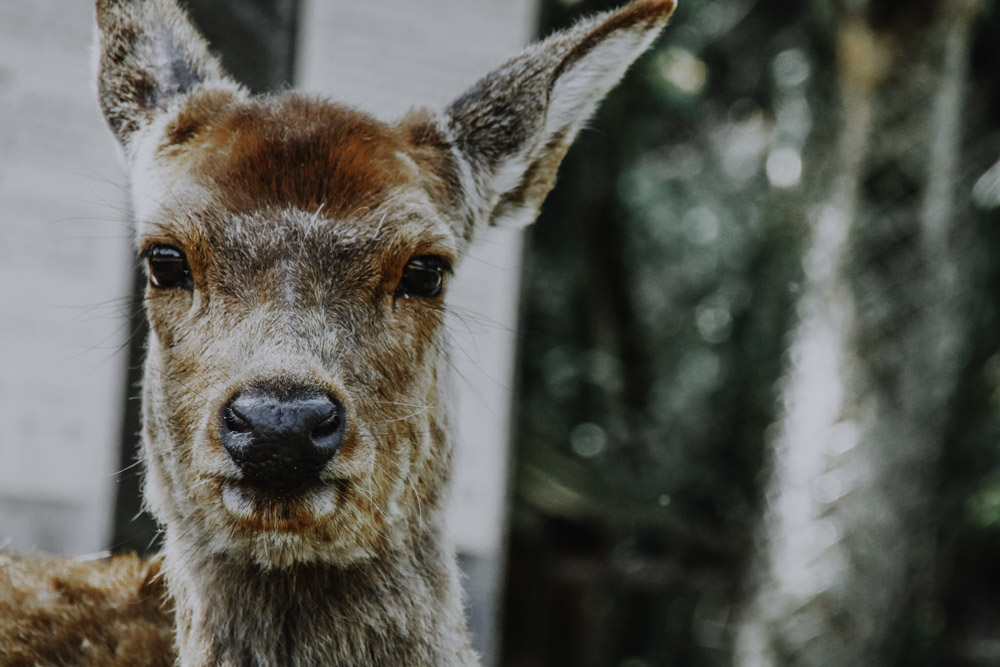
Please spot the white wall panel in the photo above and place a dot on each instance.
(64, 276)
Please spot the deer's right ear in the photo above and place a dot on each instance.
(149, 55)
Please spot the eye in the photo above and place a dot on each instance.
(168, 268)
(423, 276)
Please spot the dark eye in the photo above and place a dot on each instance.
(168, 268)
(423, 276)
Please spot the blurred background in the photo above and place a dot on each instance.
(756, 369)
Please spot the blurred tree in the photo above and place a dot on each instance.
(875, 360)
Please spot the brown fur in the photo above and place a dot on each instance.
(297, 218)
(61, 611)
(297, 152)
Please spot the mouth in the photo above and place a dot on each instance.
(259, 509)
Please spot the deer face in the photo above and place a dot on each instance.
(298, 256)
(298, 264)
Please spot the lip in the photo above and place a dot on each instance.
(260, 510)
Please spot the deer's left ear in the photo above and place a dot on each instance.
(511, 130)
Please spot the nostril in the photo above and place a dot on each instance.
(234, 421)
(329, 427)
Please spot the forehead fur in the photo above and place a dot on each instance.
(288, 151)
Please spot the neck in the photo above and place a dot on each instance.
(403, 608)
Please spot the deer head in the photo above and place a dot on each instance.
(299, 254)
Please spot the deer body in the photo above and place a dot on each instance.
(297, 439)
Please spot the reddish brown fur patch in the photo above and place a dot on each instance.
(197, 114)
(294, 151)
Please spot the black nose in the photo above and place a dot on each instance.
(279, 439)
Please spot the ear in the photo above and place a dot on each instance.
(149, 55)
(512, 129)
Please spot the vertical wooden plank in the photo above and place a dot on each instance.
(64, 267)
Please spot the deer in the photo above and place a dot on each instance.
(297, 440)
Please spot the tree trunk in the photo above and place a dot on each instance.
(875, 356)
